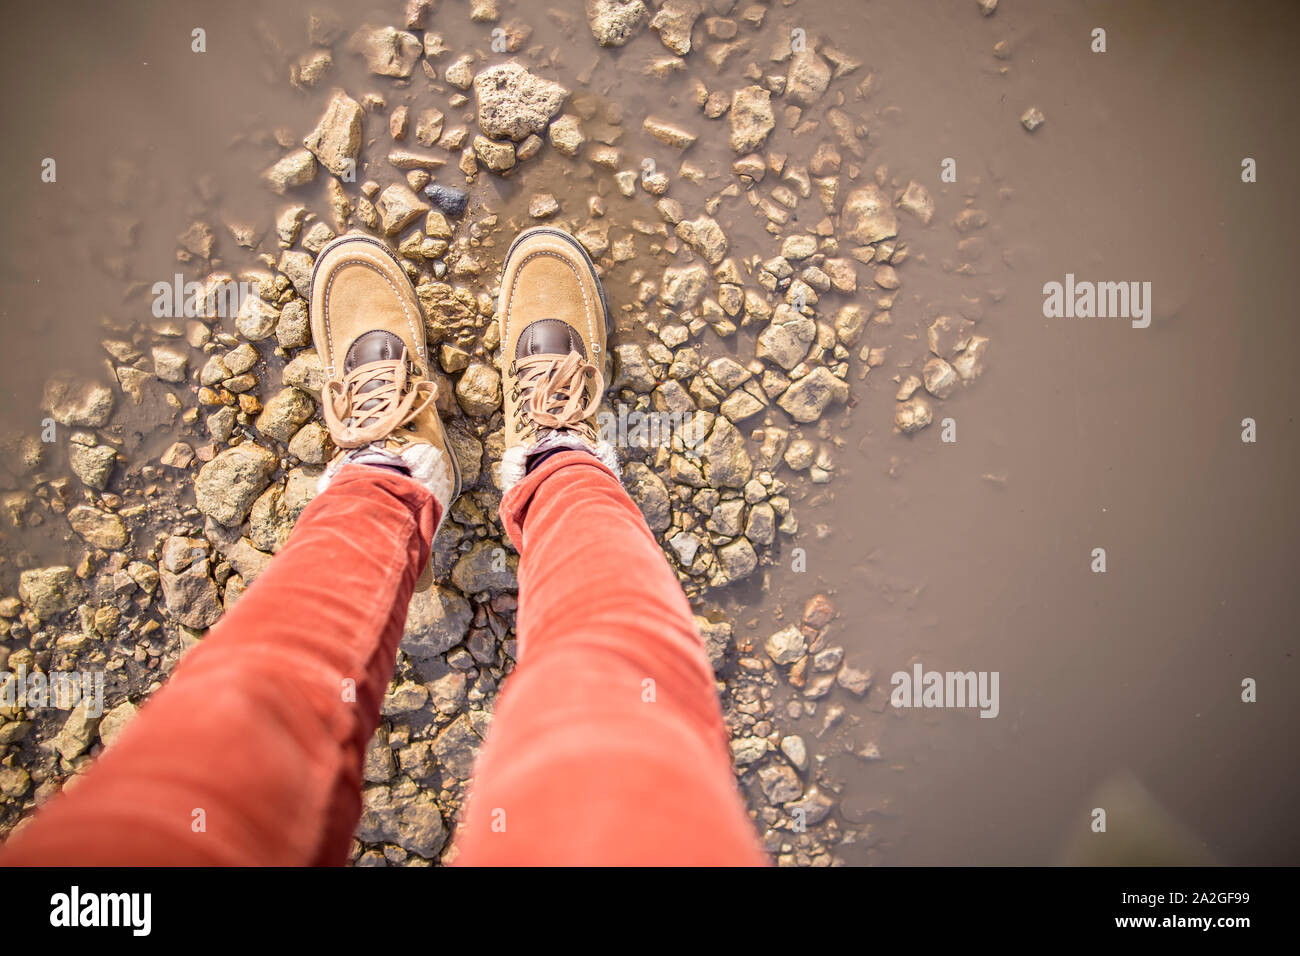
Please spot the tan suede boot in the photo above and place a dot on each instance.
(554, 324)
(378, 403)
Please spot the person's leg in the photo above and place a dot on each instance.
(607, 745)
(252, 752)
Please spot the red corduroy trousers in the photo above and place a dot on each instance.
(607, 744)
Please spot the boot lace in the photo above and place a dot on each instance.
(558, 392)
(373, 401)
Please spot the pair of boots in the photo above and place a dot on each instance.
(378, 401)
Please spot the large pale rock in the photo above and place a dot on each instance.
(787, 337)
(726, 461)
(48, 591)
(387, 52)
(613, 22)
(807, 398)
(191, 595)
(437, 620)
(750, 118)
(336, 140)
(683, 286)
(77, 402)
(99, 529)
(513, 103)
(228, 485)
(808, 77)
(867, 216)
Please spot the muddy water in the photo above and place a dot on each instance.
(1086, 433)
(972, 555)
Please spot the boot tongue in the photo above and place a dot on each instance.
(549, 337)
(376, 346)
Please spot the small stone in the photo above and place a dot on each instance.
(512, 102)
(751, 118)
(387, 52)
(705, 236)
(178, 455)
(796, 751)
(115, 722)
(779, 782)
(437, 620)
(787, 338)
(191, 595)
(668, 133)
(856, 682)
(940, 378)
(169, 364)
(969, 365)
(48, 591)
(77, 403)
(543, 206)
(451, 201)
(736, 561)
(293, 328)
(808, 77)
(407, 697)
(285, 413)
(456, 748)
(77, 733)
(485, 567)
(748, 750)
(566, 135)
(228, 485)
(673, 23)
(916, 200)
(867, 217)
(305, 372)
(686, 546)
(460, 72)
(1032, 118)
(726, 460)
(798, 247)
(717, 639)
(613, 22)
(398, 207)
(312, 444)
(256, 318)
(479, 390)
(913, 415)
(649, 493)
(683, 286)
(812, 808)
(336, 140)
(296, 169)
(92, 464)
(800, 454)
(99, 529)
(786, 646)
(807, 398)
(495, 155)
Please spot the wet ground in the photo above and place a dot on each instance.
(966, 555)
